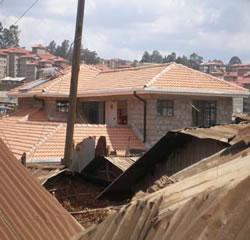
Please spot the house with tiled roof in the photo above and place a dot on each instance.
(151, 100)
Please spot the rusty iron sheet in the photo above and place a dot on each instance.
(27, 210)
(224, 133)
(122, 163)
(212, 200)
(44, 172)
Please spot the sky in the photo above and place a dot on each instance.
(214, 29)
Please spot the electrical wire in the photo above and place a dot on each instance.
(25, 12)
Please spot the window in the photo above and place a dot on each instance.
(93, 112)
(165, 107)
(62, 106)
(246, 105)
(204, 113)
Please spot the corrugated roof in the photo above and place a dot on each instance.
(122, 163)
(44, 172)
(228, 133)
(223, 133)
(211, 203)
(27, 211)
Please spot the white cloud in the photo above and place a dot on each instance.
(118, 28)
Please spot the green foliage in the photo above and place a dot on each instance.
(193, 61)
(156, 57)
(62, 50)
(65, 50)
(146, 58)
(170, 58)
(9, 37)
(89, 57)
(51, 47)
(235, 60)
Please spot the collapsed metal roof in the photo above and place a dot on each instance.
(44, 172)
(227, 133)
(27, 210)
(209, 202)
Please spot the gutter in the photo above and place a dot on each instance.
(145, 90)
(144, 118)
(191, 92)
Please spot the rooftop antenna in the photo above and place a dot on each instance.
(73, 84)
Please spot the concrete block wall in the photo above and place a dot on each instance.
(158, 126)
(51, 112)
(24, 103)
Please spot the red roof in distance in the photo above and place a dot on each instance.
(39, 46)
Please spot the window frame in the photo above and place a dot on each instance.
(204, 107)
(62, 104)
(165, 107)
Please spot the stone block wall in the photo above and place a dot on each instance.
(25, 103)
(158, 126)
(51, 112)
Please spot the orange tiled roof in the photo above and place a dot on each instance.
(243, 80)
(184, 79)
(28, 131)
(231, 74)
(168, 78)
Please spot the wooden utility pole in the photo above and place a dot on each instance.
(73, 84)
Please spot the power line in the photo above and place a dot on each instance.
(1, 2)
(31, 6)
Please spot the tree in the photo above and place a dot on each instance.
(134, 64)
(171, 58)
(195, 61)
(62, 49)
(146, 58)
(89, 57)
(9, 37)
(235, 60)
(51, 47)
(183, 60)
(156, 57)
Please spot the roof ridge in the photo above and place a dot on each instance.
(33, 150)
(215, 78)
(135, 68)
(167, 68)
(91, 67)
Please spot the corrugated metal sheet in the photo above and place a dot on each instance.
(27, 211)
(172, 144)
(122, 163)
(44, 172)
(210, 204)
(223, 133)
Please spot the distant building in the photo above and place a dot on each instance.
(18, 62)
(8, 83)
(211, 67)
(3, 64)
(116, 63)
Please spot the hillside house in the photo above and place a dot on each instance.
(152, 99)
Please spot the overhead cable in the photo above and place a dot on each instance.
(25, 12)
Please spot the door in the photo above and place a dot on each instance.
(111, 113)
